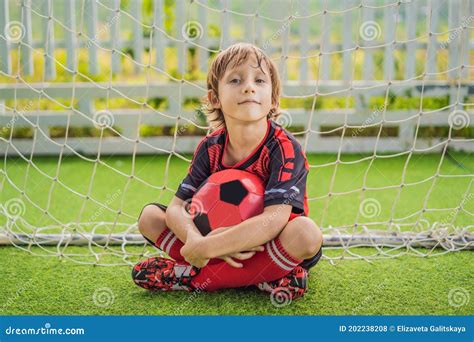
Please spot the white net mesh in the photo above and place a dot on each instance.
(99, 114)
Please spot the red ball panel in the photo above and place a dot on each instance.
(224, 215)
(205, 198)
(253, 183)
(251, 206)
(227, 176)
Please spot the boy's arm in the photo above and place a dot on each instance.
(250, 233)
(177, 220)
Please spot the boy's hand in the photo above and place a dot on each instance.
(244, 255)
(229, 258)
(191, 251)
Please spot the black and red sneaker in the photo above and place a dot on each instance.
(294, 285)
(162, 274)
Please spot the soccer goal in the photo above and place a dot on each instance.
(100, 115)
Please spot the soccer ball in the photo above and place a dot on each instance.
(225, 199)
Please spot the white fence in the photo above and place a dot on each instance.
(130, 120)
(456, 81)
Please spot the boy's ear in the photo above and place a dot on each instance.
(275, 106)
(213, 99)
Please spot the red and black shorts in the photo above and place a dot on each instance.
(306, 263)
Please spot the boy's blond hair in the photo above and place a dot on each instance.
(231, 57)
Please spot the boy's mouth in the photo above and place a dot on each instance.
(248, 101)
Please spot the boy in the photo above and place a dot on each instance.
(273, 250)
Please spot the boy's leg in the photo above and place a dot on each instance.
(299, 240)
(294, 284)
(311, 261)
(152, 221)
(152, 225)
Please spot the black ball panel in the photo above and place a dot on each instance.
(233, 192)
(202, 223)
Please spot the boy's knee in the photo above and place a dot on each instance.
(150, 219)
(308, 235)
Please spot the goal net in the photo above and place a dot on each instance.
(100, 115)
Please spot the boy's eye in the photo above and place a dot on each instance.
(236, 80)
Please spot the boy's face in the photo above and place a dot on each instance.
(245, 92)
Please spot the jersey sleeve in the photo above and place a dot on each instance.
(198, 172)
(288, 173)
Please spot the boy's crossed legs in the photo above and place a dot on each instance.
(296, 249)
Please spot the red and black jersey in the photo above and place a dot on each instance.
(278, 160)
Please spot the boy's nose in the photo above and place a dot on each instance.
(249, 87)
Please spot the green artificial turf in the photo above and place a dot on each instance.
(404, 285)
(407, 285)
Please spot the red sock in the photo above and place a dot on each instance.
(169, 243)
(273, 263)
